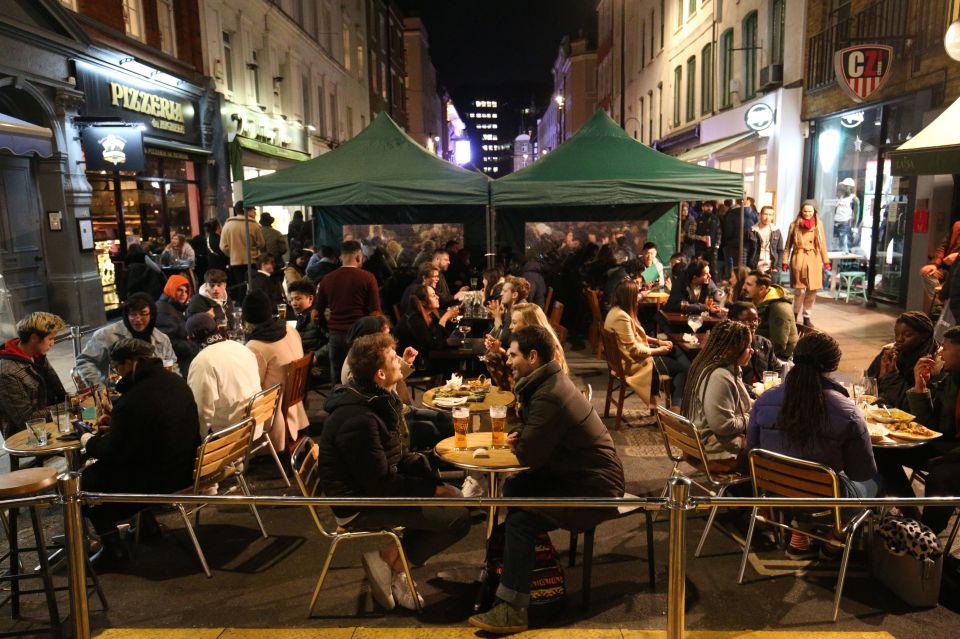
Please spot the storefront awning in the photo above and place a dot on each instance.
(708, 150)
(175, 146)
(933, 151)
(271, 149)
(23, 138)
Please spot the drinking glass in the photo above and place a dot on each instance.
(694, 321)
(461, 423)
(61, 416)
(473, 283)
(868, 394)
(464, 330)
(282, 312)
(498, 422)
(37, 429)
(770, 380)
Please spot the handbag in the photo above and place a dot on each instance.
(907, 558)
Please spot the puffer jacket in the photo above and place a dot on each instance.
(28, 386)
(361, 449)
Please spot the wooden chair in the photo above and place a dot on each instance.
(555, 316)
(775, 474)
(295, 384)
(596, 322)
(220, 457)
(588, 536)
(616, 375)
(547, 300)
(263, 409)
(305, 465)
(682, 441)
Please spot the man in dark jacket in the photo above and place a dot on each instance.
(362, 455)
(706, 234)
(765, 248)
(764, 359)
(28, 383)
(264, 279)
(213, 296)
(147, 444)
(322, 263)
(775, 306)
(569, 453)
(732, 229)
(533, 273)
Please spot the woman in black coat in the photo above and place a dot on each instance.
(423, 327)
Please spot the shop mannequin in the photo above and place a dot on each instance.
(846, 215)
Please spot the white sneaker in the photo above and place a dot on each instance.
(378, 576)
(472, 488)
(401, 592)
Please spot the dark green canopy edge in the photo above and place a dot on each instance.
(382, 165)
(602, 165)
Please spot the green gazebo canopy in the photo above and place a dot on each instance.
(381, 166)
(602, 165)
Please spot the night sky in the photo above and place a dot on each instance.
(504, 47)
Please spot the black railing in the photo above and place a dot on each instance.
(909, 26)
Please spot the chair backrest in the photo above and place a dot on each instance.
(776, 474)
(547, 300)
(593, 301)
(305, 463)
(682, 434)
(295, 383)
(264, 405)
(220, 450)
(556, 315)
(611, 350)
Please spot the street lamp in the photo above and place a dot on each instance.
(560, 100)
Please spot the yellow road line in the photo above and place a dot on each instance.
(461, 632)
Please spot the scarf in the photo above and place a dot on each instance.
(808, 224)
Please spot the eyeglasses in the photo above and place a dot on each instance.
(144, 313)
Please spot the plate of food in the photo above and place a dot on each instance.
(878, 432)
(450, 402)
(888, 415)
(911, 431)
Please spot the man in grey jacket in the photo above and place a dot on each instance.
(139, 319)
(568, 452)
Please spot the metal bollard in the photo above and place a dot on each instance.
(678, 492)
(75, 336)
(68, 484)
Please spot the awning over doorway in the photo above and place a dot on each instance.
(933, 151)
(710, 149)
(23, 138)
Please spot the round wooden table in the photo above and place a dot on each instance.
(495, 397)
(500, 461)
(18, 446)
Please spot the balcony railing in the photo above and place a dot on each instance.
(906, 25)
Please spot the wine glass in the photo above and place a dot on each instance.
(694, 321)
(464, 330)
(719, 297)
(868, 393)
(473, 283)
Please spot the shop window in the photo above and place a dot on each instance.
(706, 79)
(133, 18)
(726, 68)
(168, 29)
(691, 87)
(750, 55)
(677, 79)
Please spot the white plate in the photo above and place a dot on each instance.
(450, 402)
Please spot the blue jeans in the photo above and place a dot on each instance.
(521, 529)
(675, 364)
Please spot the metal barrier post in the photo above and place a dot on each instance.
(68, 485)
(75, 336)
(678, 492)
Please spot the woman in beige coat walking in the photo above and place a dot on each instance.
(805, 255)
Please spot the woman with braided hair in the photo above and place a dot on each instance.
(715, 398)
(893, 366)
(811, 417)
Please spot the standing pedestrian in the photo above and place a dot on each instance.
(299, 232)
(706, 234)
(241, 240)
(274, 241)
(805, 255)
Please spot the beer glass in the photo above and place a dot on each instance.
(37, 429)
(770, 379)
(498, 422)
(61, 415)
(282, 311)
(461, 423)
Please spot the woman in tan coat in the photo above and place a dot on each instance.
(275, 344)
(808, 245)
(642, 354)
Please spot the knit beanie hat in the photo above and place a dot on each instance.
(200, 325)
(257, 308)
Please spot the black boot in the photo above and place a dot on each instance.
(150, 529)
(113, 556)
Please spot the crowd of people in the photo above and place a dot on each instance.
(186, 362)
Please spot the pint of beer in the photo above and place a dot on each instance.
(461, 422)
(498, 422)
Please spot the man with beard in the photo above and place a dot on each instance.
(139, 322)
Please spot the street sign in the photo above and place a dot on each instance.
(862, 69)
(113, 148)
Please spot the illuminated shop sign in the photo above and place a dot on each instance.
(113, 148)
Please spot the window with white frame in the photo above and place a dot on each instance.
(168, 28)
(133, 18)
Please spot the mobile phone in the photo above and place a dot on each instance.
(81, 426)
